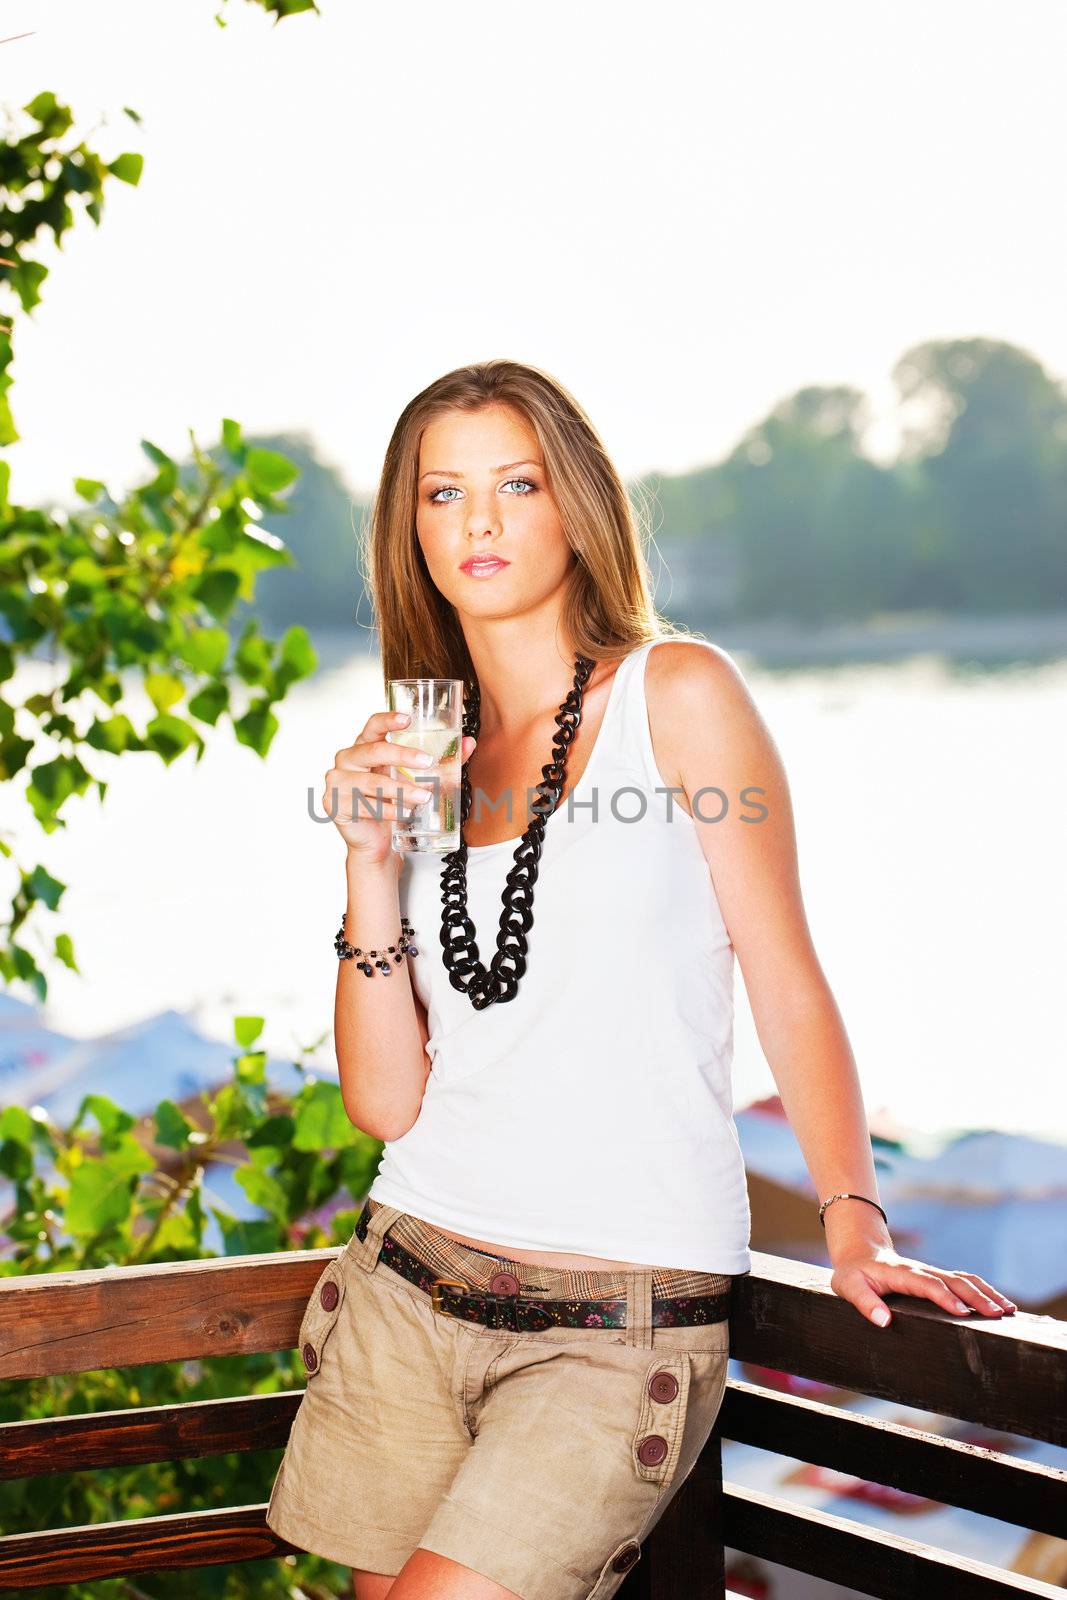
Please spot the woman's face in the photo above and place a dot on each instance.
(482, 492)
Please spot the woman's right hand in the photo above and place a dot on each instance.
(362, 799)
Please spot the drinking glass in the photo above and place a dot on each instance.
(435, 706)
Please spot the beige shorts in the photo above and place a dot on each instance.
(516, 1454)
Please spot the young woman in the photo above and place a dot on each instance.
(516, 1360)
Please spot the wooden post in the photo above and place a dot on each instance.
(684, 1555)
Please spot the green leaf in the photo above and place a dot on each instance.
(204, 649)
(217, 590)
(168, 736)
(257, 729)
(246, 1030)
(127, 166)
(239, 1108)
(42, 107)
(127, 1153)
(163, 689)
(16, 1160)
(100, 1196)
(178, 1234)
(14, 753)
(156, 455)
(249, 1238)
(53, 782)
(264, 1190)
(114, 734)
(45, 888)
(297, 659)
(64, 950)
(16, 1123)
(209, 703)
(89, 488)
(87, 572)
(251, 1067)
(322, 1122)
(231, 439)
(172, 1126)
(252, 659)
(9, 434)
(111, 1118)
(270, 471)
(274, 1135)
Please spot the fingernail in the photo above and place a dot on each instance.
(880, 1315)
(421, 794)
(961, 1305)
(401, 716)
(423, 759)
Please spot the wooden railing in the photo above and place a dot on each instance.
(1008, 1373)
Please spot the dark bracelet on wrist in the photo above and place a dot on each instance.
(845, 1196)
(403, 947)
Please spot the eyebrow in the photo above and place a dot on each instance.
(451, 472)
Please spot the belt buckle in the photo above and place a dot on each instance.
(435, 1293)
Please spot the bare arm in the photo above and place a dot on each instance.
(707, 731)
(380, 1028)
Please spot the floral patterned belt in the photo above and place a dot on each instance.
(502, 1307)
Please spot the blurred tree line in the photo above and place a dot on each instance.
(798, 521)
(972, 516)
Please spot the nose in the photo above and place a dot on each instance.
(483, 516)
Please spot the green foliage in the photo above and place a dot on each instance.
(116, 1190)
(144, 583)
(325, 587)
(143, 588)
(139, 588)
(44, 176)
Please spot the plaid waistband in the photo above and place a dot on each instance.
(450, 1259)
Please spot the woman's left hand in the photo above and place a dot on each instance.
(862, 1273)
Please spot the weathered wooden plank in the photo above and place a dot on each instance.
(875, 1563)
(1008, 1372)
(1029, 1493)
(148, 1433)
(885, 1565)
(168, 1311)
(143, 1544)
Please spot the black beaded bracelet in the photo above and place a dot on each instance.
(398, 951)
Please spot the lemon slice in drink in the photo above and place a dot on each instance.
(441, 743)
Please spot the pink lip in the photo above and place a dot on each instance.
(482, 566)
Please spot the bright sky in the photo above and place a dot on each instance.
(684, 211)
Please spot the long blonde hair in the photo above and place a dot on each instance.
(608, 608)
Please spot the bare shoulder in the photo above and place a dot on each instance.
(693, 666)
(699, 706)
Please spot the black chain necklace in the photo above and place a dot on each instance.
(499, 982)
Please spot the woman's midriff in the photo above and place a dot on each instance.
(541, 1258)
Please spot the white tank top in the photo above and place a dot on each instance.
(592, 1113)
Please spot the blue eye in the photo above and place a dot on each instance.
(433, 496)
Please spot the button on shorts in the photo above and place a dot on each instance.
(540, 1459)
